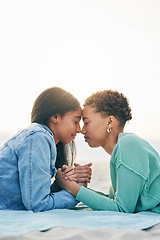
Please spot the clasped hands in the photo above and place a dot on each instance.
(68, 176)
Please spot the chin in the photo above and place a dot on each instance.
(68, 141)
(92, 145)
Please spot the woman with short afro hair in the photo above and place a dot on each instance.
(134, 163)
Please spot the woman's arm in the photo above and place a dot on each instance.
(129, 186)
(34, 175)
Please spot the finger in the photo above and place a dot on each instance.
(71, 177)
(84, 176)
(64, 167)
(83, 171)
(89, 164)
(68, 169)
(70, 174)
(76, 164)
(84, 180)
(86, 166)
(59, 170)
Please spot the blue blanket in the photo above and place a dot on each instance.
(20, 222)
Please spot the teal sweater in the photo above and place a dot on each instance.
(135, 178)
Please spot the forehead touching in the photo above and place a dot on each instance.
(76, 114)
(88, 111)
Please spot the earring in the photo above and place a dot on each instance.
(109, 130)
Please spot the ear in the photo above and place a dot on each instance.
(55, 118)
(110, 121)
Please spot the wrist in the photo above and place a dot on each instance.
(73, 187)
(84, 184)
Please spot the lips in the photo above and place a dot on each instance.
(73, 136)
(86, 138)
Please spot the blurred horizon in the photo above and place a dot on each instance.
(84, 153)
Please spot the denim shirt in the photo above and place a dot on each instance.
(27, 164)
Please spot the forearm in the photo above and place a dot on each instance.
(96, 201)
(72, 187)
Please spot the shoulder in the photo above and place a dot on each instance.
(129, 137)
(133, 152)
(130, 141)
(36, 132)
(36, 127)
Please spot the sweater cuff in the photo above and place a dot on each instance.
(82, 194)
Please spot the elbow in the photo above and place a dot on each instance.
(40, 206)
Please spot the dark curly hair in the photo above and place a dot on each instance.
(111, 103)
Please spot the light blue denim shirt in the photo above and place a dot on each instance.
(27, 164)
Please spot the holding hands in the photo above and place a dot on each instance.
(80, 174)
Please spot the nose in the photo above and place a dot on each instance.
(78, 129)
(83, 131)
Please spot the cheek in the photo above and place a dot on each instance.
(96, 129)
(69, 130)
(65, 135)
(68, 125)
(71, 127)
(98, 134)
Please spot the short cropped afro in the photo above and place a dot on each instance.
(111, 103)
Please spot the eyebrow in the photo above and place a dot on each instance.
(78, 117)
(85, 118)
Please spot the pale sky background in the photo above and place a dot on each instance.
(82, 46)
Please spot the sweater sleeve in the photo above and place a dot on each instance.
(95, 200)
(129, 185)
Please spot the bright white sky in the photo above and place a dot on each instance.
(82, 46)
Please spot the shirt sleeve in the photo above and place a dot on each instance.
(129, 186)
(34, 158)
(63, 199)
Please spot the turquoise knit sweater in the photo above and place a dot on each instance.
(135, 178)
